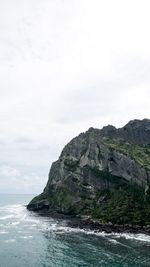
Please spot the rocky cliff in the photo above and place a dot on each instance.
(104, 174)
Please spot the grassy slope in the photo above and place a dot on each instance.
(141, 154)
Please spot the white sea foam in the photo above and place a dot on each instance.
(12, 211)
(139, 237)
(33, 220)
(2, 232)
(6, 217)
(26, 237)
(20, 213)
(15, 223)
(10, 240)
(64, 229)
(114, 241)
(33, 225)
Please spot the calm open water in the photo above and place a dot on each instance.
(29, 240)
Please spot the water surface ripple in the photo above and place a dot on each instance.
(27, 239)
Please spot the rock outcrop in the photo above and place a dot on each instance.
(136, 131)
(104, 174)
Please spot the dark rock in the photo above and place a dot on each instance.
(97, 169)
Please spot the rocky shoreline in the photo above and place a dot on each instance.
(108, 227)
(86, 223)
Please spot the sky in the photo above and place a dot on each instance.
(66, 66)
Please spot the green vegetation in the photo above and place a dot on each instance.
(125, 204)
(139, 153)
(39, 198)
(122, 203)
(61, 199)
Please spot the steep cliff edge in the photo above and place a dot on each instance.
(104, 174)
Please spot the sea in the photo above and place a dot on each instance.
(28, 240)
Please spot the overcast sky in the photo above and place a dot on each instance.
(66, 65)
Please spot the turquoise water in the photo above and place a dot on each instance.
(29, 240)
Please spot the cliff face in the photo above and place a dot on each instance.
(104, 174)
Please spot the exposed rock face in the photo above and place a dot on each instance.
(136, 131)
(94, 167)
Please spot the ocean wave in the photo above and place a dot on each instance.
(6, 217)
(15, 223)
(64, 229)
(139, 237)
(114, 241)
(20, 214)
(2, 232)
(26, 237)
(10, 240)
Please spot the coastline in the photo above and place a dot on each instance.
(108, 227)
(84, 222)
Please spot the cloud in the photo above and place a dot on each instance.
(126, 88)
(7, 171)
(13, 180)
(66, 66)
(23, 140)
